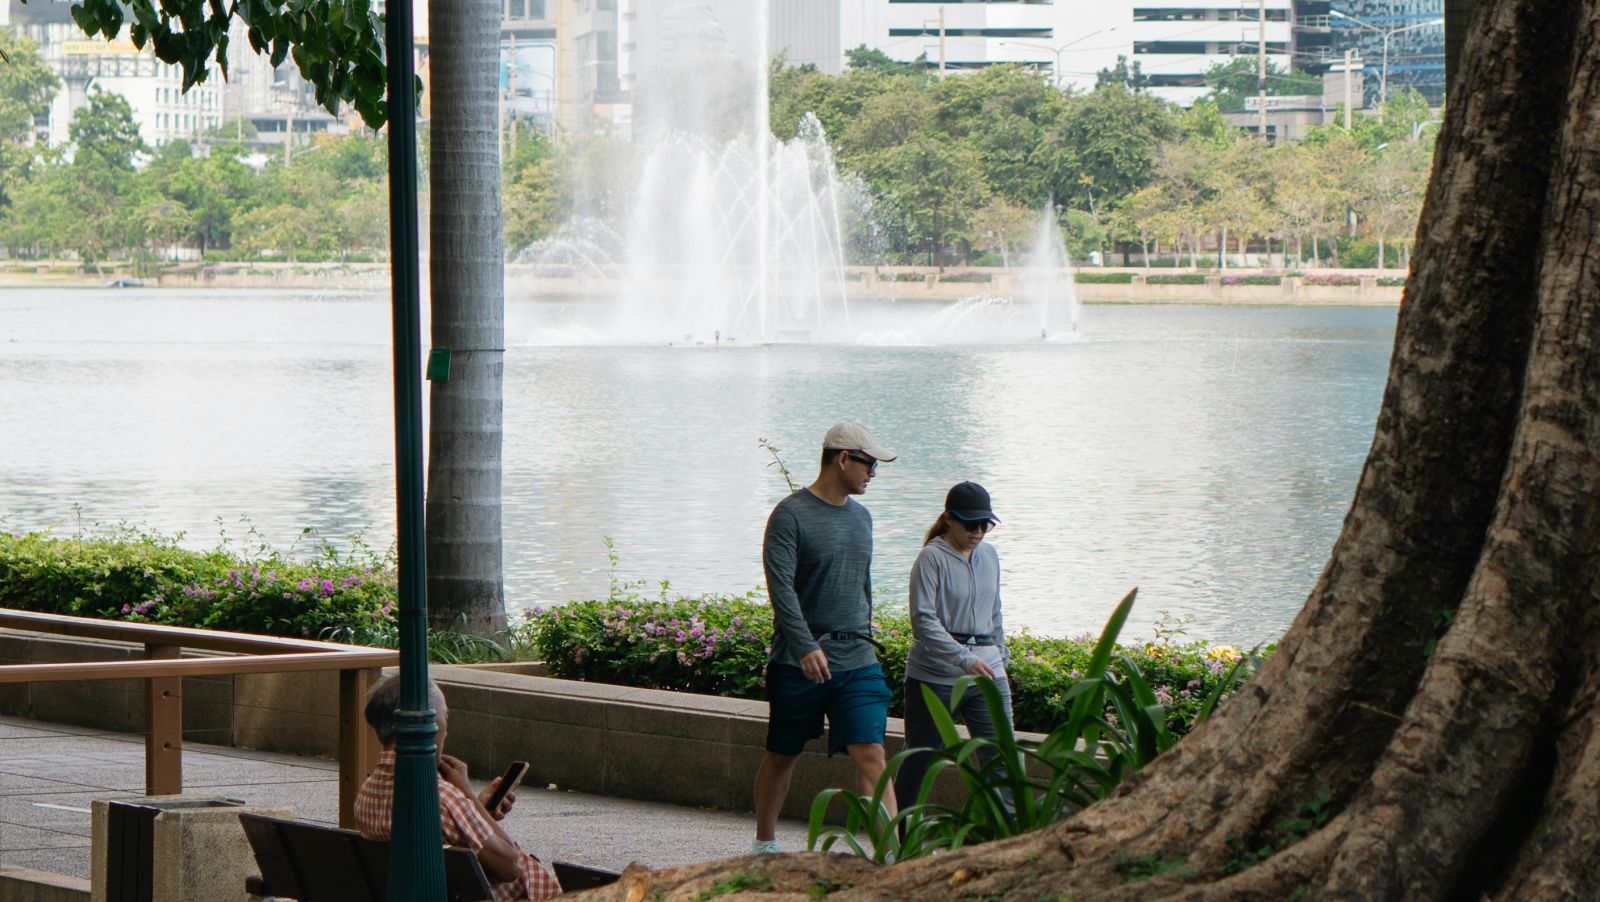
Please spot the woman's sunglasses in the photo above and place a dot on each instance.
(974, 525)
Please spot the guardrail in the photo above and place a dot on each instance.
(164, 668)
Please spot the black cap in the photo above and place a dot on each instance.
(970, 502)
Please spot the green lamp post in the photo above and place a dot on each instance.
(416, 857)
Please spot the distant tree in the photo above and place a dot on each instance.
(104, 133)
(1002, 113)
(363, 219)
(1004, 228)
(26, 88)
(534, 197)
(1392, 182)
(871, 59)
(1123, 74)
(935, 186)
(213, 188)
(1110, 136)
(1240, 77)
(1145, 216)
(96, 194)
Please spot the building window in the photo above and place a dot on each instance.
(974, 32)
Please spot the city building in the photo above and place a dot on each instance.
(1176, 41)
(1072, 42)
(274, 101)
(1412, 33)
(1291, 116)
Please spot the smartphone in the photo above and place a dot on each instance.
(508, 781)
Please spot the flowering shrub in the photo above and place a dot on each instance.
(1332, 278)
(715, 645)
(1185, 278)
(1254, 279)
(719, 645)
(129, 575)
(1102, 278)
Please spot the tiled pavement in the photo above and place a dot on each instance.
(49, 773)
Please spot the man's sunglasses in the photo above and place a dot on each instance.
(974, 525)
(871, 463)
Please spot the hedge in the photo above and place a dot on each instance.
(718, 644)
(130, 575)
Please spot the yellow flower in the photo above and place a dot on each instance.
(1223, 653)
(1156, 652)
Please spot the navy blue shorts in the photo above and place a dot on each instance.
(855, 703)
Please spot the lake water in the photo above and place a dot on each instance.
(1206, 455)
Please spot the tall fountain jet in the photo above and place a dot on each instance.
(1047, 282)
(732, 237)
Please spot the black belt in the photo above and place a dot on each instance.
(849, 634)
(972, 639)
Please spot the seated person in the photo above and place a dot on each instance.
(463, 819)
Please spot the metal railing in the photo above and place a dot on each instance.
(164, 668)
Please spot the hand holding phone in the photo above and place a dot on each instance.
(508, 781)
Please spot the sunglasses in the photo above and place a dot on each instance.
(973, 526)
(871, 463)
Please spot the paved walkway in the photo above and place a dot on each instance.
(49, 773)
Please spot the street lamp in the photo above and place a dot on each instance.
(1056, 71)
(1383, 78)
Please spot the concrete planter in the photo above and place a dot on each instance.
(632, 743)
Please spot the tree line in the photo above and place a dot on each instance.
(953, 171)
(957, 170)
(962, 166)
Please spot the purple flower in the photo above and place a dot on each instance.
(126, 608)
(327, 588)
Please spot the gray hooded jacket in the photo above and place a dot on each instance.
(955, 594)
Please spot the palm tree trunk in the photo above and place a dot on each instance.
(466, 268)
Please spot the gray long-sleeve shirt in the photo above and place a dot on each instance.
(954, 594)
(818, 560)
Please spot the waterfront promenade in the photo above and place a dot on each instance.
(49, 774)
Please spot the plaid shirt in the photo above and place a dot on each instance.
(462, 822)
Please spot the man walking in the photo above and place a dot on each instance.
(818, 560)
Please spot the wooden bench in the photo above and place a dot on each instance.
(315, 863)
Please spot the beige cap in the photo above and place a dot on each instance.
(853, 436)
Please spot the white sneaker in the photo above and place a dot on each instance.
(764, 847)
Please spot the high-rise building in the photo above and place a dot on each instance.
(1413, 31)
(273, 100)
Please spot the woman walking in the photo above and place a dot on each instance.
(956, 625)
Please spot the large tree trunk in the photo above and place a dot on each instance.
(465, 588)
(1439, 686)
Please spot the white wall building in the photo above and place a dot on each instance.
(1071, 40)
(1173, 41)
(1176, 41)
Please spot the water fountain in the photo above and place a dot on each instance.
(1047, 281)
(741, 240)
(737, 241)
